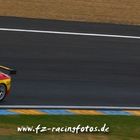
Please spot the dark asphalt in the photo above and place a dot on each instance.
(71, 70)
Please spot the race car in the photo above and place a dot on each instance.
(5, 81)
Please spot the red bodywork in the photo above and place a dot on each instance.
(4, 76)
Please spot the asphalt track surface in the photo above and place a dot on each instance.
(71, 70)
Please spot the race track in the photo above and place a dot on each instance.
(69, 70)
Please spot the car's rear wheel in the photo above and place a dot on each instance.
(2, 92)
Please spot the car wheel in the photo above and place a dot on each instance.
(2, 92)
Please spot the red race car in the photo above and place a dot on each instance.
(5, 81)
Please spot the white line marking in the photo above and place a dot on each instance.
(69, 33)
(68, 107)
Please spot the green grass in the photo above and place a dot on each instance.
(121, 127)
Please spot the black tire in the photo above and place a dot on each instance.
(2, 92)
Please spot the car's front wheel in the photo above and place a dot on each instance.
(2, 92)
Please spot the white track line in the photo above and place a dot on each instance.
(69, 33)
(68, 107)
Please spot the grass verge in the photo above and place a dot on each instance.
(121, 127)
